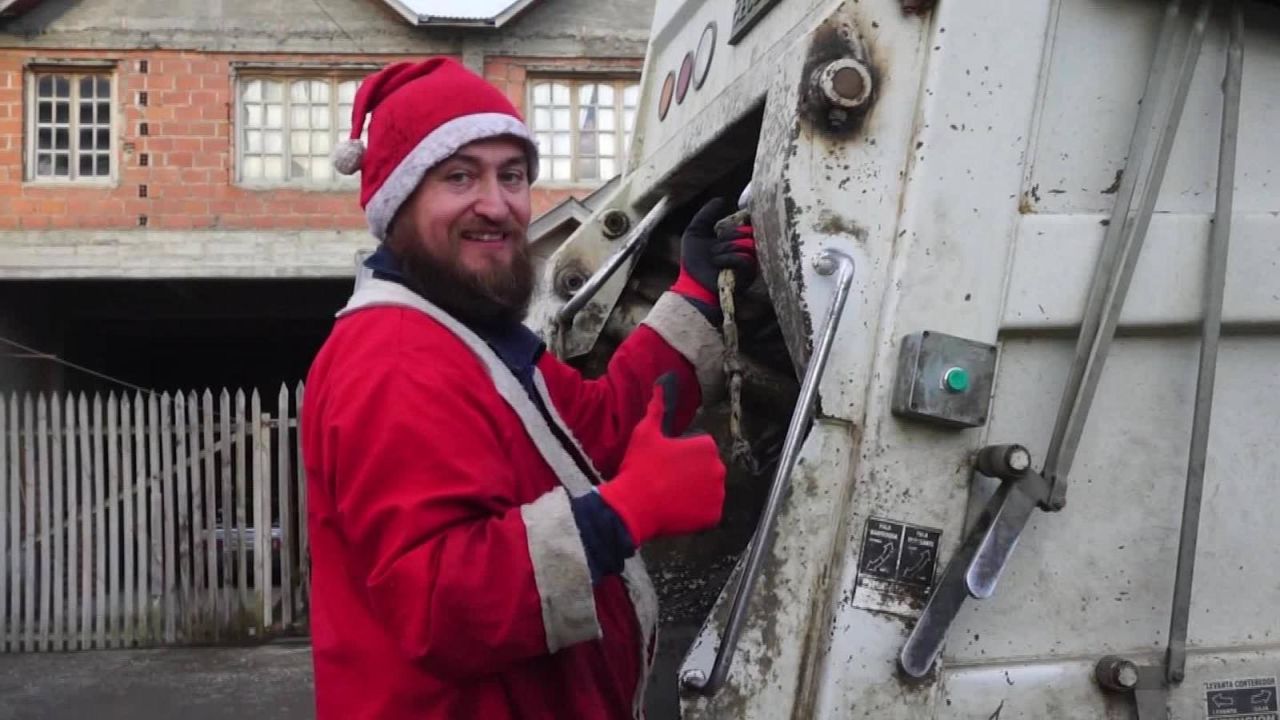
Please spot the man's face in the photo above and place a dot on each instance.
(462, 235)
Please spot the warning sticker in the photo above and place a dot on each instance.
(899, 552)
(1245, 699)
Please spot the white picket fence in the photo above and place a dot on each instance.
(150, 520)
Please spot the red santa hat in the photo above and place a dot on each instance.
(422, 113)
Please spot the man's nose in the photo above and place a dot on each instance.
(491, 201)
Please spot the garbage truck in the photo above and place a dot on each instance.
(1002, 409)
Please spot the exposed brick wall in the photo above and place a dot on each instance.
(190, 173)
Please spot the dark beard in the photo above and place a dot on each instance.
(497, 296)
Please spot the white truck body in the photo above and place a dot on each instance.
(973, 193)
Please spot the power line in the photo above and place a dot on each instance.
(75, 366)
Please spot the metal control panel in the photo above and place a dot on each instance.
(944, 379)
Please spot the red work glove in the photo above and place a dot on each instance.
(704, 252)
(667, 485)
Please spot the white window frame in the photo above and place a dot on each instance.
(334, 76)
(619, 82)
(76, 71)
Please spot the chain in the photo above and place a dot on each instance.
(741, 449)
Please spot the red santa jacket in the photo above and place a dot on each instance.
(449, 579)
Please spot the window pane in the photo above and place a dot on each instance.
(542, 94)
(61, 165)
(321, 169)
(275, 116)
(299, 118)
(541, 119)
(320, 143)
(320, 117)
(298, 168)
(44, 139)
(560, 169)
(606, 144)
(606, 119)
(62, 112)
(298, 91)
(587, 94)
(273, 141)
(631, 96)
(252, 90)
(44, 165)
(86, 165)
(103, 165)
(104, 87)
(606, 95)
(300, 143)
(347, 91)
(86, 113)
(253, 115)
(606, 168)
(560, 94)
(560, 120)
(44, 86)
(253, 167)
(61, 139)
(253, 141)
(320, 91)
(45, 112)
(587, 144)
(544, 144)
(104, 138)
(560, 144)
(273, 168)
(587, 169)
(587, 118)
(86, 139)
(86, 87)
(629, 120)
(273, 90)
(62, 86)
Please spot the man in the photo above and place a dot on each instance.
(475, 505)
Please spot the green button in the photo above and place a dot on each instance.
(956, 380)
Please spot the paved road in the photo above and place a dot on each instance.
(269, 681)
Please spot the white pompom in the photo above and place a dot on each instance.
(347, 156)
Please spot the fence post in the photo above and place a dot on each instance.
(131, 481)
(59, 635)
(284, 479)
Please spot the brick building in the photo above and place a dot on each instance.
(168, 213)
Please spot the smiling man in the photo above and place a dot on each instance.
(475, 505)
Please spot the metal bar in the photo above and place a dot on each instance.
(831, 262)
(630, 247)
(1215, 286)
(1092, 347)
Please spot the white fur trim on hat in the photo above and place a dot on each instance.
(346, 156)
(442, 142)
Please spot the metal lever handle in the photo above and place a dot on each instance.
(978, 563)
(708, 683)
(631, 246)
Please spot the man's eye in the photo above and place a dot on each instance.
(458, 176)
(512, 177)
